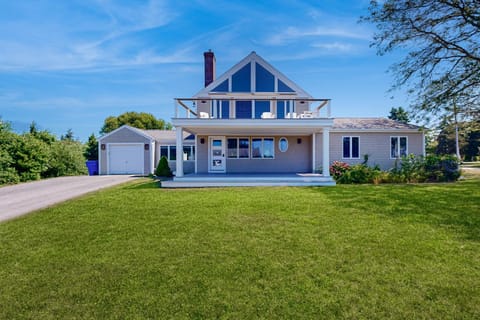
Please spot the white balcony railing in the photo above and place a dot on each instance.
(292, 108)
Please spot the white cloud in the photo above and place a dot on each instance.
(334, 46)
(292, 34)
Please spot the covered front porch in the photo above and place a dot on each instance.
(203, 180)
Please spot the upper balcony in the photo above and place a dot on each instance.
(252, 107)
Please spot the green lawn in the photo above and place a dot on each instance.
(351, 251)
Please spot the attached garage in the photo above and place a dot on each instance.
(125, 158)
(129, 150)
(126, 150)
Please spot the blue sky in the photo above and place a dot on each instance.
(70, 64)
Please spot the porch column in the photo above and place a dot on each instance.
(326, 152)
(179, 161)
(314, 148)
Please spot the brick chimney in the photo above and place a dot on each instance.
(209, 67)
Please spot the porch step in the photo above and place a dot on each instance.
(205, 182)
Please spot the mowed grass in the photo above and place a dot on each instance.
(355, 252)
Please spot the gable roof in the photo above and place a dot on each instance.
(165, 135)
(381, 124)
(253, 57)
(127, 127)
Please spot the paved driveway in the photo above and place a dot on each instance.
(23, 198)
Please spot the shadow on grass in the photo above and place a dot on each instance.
(445, 205)
(149, 184)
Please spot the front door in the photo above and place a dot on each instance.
(217, 154)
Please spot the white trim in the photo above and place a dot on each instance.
(238, 146)
(100, 157)
(196, 150)
(391, 130)
(390, 147)
(179, 156)
(210, 138)
(107, 148)
(424, 153)
(152, 157)
(135, 130)
(279, 149)
(351, 148)
(314, 147)
(253, 58)
(263, 139)
(326, 152)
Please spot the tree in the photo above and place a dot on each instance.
(68, 136)
(91, 150)
(442, 66)
(140, 120)
(399, 114)
(66, 159)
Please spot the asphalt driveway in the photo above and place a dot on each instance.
(23, 198)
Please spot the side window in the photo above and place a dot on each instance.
(351, 147)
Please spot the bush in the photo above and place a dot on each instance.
(163, 170)
(338, 169)
(360, 173)
(431, 168)
(409, 169)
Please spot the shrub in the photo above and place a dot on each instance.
(360, 173)
(431, 168)
(338, 169)
(163, 170)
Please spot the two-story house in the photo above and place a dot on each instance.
(253, 126)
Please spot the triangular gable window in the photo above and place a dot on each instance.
(241, 80)
(264, 80)
(222, 87)
(282, 87)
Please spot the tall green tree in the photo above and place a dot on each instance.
(91, 150)
(442, 38)
(399, 114)
(140, 120)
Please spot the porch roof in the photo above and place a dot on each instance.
(253, 126)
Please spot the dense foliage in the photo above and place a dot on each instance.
(91, 151)
(163, 169)
(140, 120)
(442, 41)
(38, 154)
(399, 114)
(408, 169)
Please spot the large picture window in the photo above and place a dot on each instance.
(351, 147)
(398, 147)
(238, 148)
(263, 148)
(170, 152)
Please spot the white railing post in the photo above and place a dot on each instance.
(176, 108)
(329, 109)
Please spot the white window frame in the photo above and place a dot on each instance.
(398, 146)
(279, 141)
(169, 153)
(261, 151)
(351, 147)
(238, 147)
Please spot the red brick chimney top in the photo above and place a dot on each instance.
(209, 67)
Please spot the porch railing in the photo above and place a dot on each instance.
(317, 108)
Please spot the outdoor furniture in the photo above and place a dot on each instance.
(267, 115)
(291, 115)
